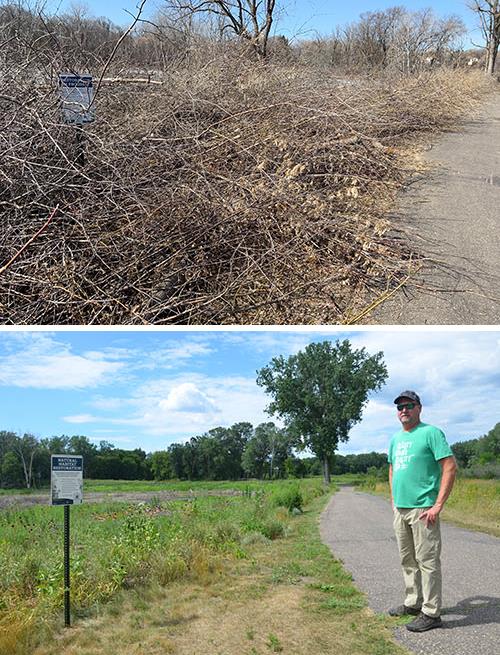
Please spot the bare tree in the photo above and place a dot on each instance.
(374, 34)
(249, 20)
(25, 448)
(397, 39)
(489, 17)
(420, 36)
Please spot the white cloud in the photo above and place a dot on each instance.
(40, 361)
(187, 398)
(457, 374)
(108, 404)
(80, 418)
(175, 354)
(111, 354)
(191, 404)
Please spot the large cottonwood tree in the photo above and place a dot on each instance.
(321, 391)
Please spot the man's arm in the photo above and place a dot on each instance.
(390, 485)
(449, 472)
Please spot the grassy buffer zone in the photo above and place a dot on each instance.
(245, 573)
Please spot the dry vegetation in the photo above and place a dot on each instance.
(231, 193)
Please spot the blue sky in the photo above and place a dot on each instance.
(294, 18)
(149, 388)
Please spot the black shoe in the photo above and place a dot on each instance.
(403, 610)
(424, 622)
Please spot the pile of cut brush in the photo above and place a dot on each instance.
(229, 194)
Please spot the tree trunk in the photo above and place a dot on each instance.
(326, 470)
(489, 63)
(491, 57)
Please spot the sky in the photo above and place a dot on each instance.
(293, 18)
(149, 388)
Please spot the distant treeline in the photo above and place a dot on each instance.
(238, 452)
(480, 457)
(395, 38)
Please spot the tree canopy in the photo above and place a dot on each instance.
(321, 392)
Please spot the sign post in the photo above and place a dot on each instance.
(66, 485)
(77, 96)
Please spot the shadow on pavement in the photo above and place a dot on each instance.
(475, 610)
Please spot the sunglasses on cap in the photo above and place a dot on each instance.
(402, 406)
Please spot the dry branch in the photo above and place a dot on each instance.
(231, 194)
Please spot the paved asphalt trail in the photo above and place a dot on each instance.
(358, 529)
(452, 215)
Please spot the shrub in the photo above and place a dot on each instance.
(273, 529)
(291, 498)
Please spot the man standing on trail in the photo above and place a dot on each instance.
(422, 471)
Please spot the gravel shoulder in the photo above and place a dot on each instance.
(358, 529)
(452, 216)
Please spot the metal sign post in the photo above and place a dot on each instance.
(77, 95)
(67, 621)
(66, 484)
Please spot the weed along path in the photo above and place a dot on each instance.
(452, 216)
(358, 529)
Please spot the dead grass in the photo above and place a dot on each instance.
(231, 194)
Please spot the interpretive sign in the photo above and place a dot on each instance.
(77, 93)
(66, 479)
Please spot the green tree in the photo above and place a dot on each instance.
(266, 452)
(160, 465)
(7, 442)
(488, 447)
(176, 454)
(25, 448)
(81, 445)
(321, 392)
(209, 455)
(256, 453)
(465, 452)
(234, 441)
(294, 467)
(11, 471)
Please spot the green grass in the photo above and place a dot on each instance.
(119, 545)
(227, 559)
(131, 486)
(23, 490)
(262, 596)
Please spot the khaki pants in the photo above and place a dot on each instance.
(420, 550)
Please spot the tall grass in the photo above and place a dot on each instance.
(118, 545)
(473, 504)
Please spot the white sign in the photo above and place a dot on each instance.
(66, 479)
(77, 93)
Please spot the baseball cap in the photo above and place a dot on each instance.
(408, 394)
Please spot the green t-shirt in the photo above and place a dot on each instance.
(416, 472)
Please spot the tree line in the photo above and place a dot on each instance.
(238, 452)
(480, 457)
(395, 38)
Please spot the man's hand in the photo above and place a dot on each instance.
(429, 516)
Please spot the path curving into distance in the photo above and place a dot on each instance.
(358, 529)
(452, 216)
